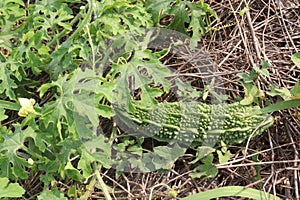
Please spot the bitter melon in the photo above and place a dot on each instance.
(195, 122)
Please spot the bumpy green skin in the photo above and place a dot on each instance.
(198, 122)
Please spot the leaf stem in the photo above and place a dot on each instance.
(101, 183)
(80, 27)
(84, 21)
(161, 184)
(92, 47)
(63, 33)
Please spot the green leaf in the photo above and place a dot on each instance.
(186, 91)
(72, 172)
(11, 190)
(202, 151)
(251, 94)
(232, 191)
(136, 18)
(9, 105)
(157, 8)
(50, 167)
(199, 20)
(206, 170)
(181, 17)
(143, 69)
(11, 144)
(263, 71)
(164, 157)
(136, 149)
(2, 115)
(246, 77)
(247, 100)
(78, 100)
(223, 158)
(149, 95)
(284, 92)
(117, 17)
(295, 91)
(296, 59)
(61, 60)
(43, 50)
(6, 82)
(104, 110)
(11, 12)
(48, 194)
(198, 28)
(107, 90)
(72, 191)
(86, 159)
(103, 153)
(208, 159)
(264, 64)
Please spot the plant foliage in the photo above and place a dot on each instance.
(59, 76)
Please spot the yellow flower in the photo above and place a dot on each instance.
(26, 107)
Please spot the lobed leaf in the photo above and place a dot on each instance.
(11, 160)
(11, 190)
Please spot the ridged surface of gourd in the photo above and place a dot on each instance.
(199, 122)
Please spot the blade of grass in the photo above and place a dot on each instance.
(232, 191)
(281, 106)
